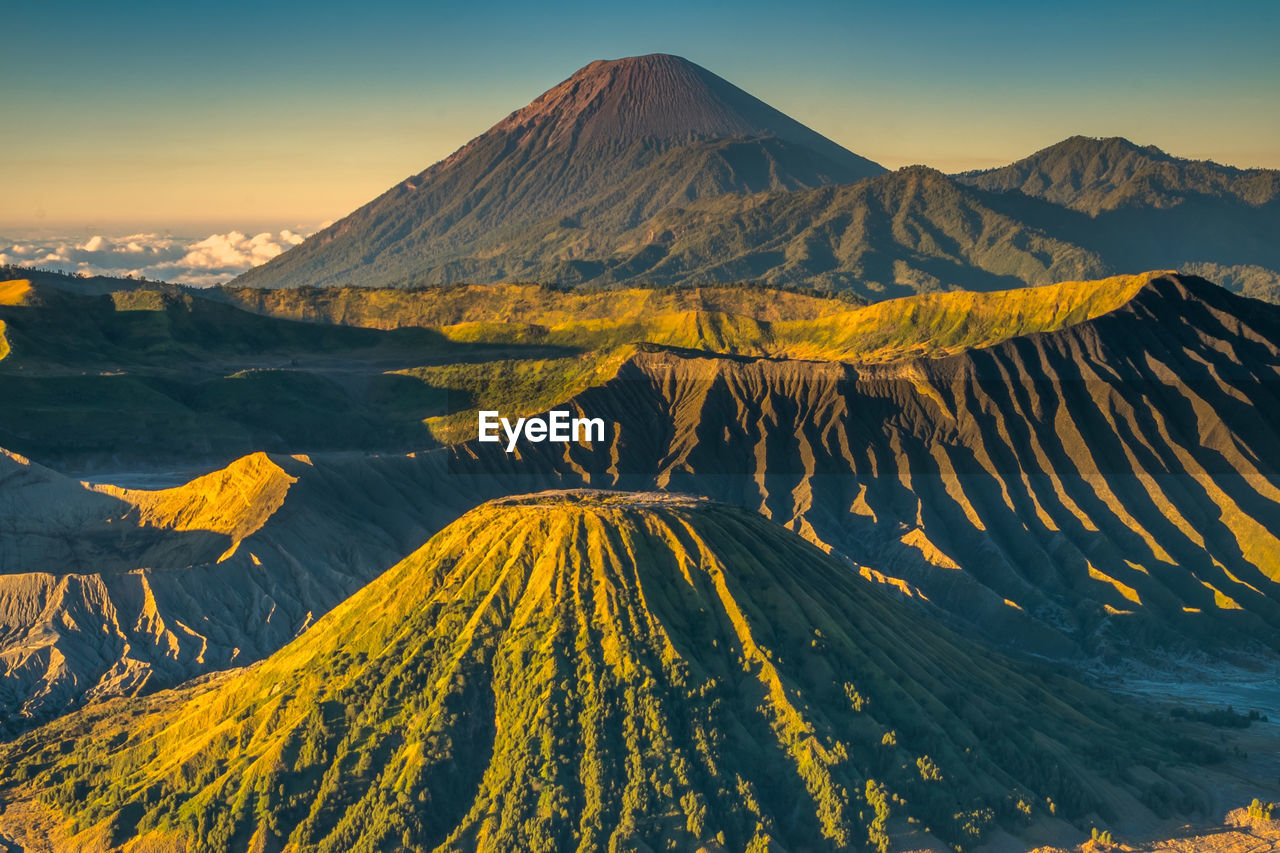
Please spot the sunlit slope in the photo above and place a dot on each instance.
(608, 331)
(585, 670)
(105, 591)
(159, 375)
(14, 292)
(11, 293)
(931, 325)
(1077, 490)
(392, 308)
(57, 524)
(938, 324)
(740, 321)
(234, 501)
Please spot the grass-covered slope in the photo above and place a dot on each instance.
(590, 671)
(603, 328)
(157, 375)
(940, 324)
(478, 305)
(1087, 489)
(734, 320)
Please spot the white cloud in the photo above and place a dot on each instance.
(234, 250)
(211, 260)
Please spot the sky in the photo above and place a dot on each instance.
(245, 121)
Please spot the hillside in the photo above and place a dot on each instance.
(1140, 208)
(1088, 490)
(158, 376)
(588, 670)
(590, 158)
(108, 591)
(1024, 460)
(914, 230)
(651, 171)
(1096, 175)
(603, 329)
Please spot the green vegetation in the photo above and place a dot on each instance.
(517, 388)
(1096, 175)
(734, 320)
(161, 371)
(522, 304)
(1259, 810)
(1137, 207)
(588, 671)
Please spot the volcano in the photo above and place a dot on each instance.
(589, 159)
(598, 670)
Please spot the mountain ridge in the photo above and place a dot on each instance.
(1098, 174)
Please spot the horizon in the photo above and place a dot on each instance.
(316, 114)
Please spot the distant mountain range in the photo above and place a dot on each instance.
(1098, 175)
(652, 170)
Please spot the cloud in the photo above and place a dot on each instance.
(185, 260)
(234, 250)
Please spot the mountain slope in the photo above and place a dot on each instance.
(1077, 470)
(586, 670)
(1140, 208)
(594, 156)
(914, 230)
(1095, 175)
(910, 231)
(1085, 490)
(161, 376)
(107, 591)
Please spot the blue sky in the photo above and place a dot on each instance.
(162, 115)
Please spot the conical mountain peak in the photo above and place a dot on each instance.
(574, 171)
(653, 97)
